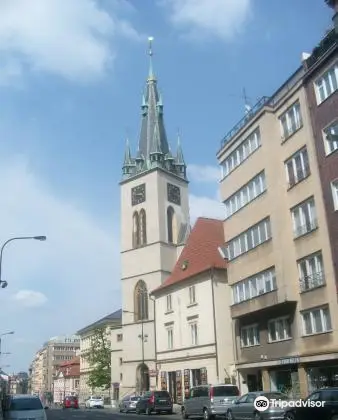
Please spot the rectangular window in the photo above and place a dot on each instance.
(245, 195)
(254, 236)
(119, 337)
(334, 187)
(327, 84)
(194, 333)
(291, 121)
(170, 337)
(304, 218)
(331, 138)
(279, 329)
(316, 320)
(169, 303)
(243, 151)
(297, 167)
(311, 272)
(192, 295)
(253, 286)
(250, 336)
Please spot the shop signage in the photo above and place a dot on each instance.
(186, 381)
(116, 385)
(290, 361)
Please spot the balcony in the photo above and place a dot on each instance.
(311, 282)
(322, 48)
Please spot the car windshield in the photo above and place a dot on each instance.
(225, 391)
(134, 398)
(161, 394)
(276, 396)
(25, 404)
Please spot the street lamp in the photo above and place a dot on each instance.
(1, 335)
(144, 338)
(4, 283)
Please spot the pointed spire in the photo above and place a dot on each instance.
(127, 154)
(179, 154)
(155, 149)
(151, 75)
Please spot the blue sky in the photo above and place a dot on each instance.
(71, 79)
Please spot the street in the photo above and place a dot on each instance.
(107, 413)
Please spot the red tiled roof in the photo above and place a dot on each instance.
(200, 252)
(73, 367)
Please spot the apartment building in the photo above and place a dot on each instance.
(36, 376)
(280, 261)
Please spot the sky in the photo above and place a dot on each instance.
(72, 74)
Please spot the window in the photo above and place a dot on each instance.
(327, 84)
(194, 333)
(119, 337)
(291, 121)
(256, 235)
(304, 218)
(169, 303)
(143, 227)
(250, 336)
(334, 187)
(141, 301)
(279, 329)
(316, 321)
(192, 295)
(171, 225)
(311, 272)
(331, 138)
(297, 167)
(136, 230)
(243, 151)
(245, 195)
(170, 338)
(254, 286)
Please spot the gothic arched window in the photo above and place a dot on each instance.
(136, 230)
(141, 301)
(171, 225)
(143, 227)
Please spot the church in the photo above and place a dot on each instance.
(155, 227)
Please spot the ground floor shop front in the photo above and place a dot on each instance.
(294, 376)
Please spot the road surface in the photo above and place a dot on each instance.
(105, 414)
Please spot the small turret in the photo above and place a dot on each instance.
(128, 162)
(179, 161)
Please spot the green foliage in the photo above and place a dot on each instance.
(99, 360)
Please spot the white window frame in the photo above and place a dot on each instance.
(334, 189)
(170, 338)
(325, 320)
(194, 333)
(291, 164)
(241, 153)
(331, 145)
(291, 120)
(254, 329)
(249, 192)
(306, 213)
(254, 286)
(283, 333)
(192, 294)
(311, 272)
(169, 303)
(326, 84)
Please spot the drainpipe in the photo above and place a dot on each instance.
(214, 316)
(151, 297)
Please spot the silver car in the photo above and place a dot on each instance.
(128, 403)
(18, 407)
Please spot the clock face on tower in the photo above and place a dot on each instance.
(138, 194)
(174, 194)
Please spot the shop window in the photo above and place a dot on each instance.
(279, 329)
(322, 377)
(196, 377)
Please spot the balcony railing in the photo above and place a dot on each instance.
(249, 116)
(326, 44)
(312, 282)
(306, 228)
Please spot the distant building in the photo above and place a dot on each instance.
(67, 380)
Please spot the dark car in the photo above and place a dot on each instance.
(155, 402)
(315, 408)
(70, 402)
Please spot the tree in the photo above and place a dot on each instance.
(99, 360)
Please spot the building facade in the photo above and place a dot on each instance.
(67, 380)
(280, 259)
(154, 221)
(86, 334)
(194, 343)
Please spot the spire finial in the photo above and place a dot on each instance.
(151, 75)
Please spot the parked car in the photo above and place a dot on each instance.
(94, 402)
(328, 412)
(155, 401)
(24, 407)
(243, 408)
(70, 402)
(209, 400)
(128, 403)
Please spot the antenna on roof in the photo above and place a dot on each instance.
(247, 105)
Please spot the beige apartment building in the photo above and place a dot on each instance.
(284, 298)
(36, 376)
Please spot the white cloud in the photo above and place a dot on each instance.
(75, 39)
(219, 18)
(30, 298)
(205, 207)
(204, 173)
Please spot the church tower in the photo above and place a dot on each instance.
(154, 223)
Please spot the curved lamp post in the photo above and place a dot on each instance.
(4, 283)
